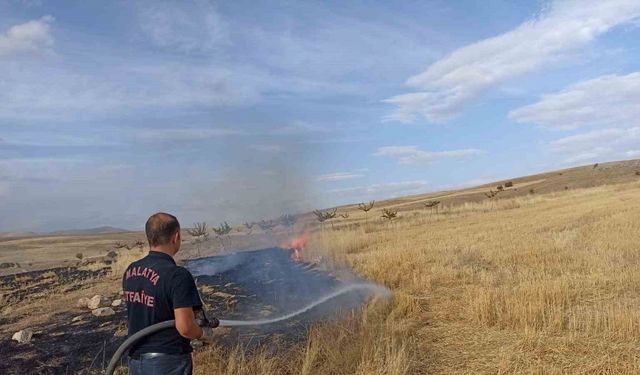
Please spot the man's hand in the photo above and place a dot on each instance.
(207, 335)
(186, 323)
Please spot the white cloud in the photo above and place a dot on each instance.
(194, 28)
(32, 91)
(411, 154)
(37, 169)
(610, 100)
(297, 128)
(447, 85)
(184, 134)
(29, 37)
(381, 191)
(34, 139)
(267, 148)
(599, 145)
(339, 176)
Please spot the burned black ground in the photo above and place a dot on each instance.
(243, 286)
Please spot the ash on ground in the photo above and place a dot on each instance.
(250, 285)
(266, 284)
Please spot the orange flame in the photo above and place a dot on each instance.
(296, 244)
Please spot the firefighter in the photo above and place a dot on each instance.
(157, 290)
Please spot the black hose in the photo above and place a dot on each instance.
(133, 339)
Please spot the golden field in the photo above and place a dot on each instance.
(536, 284)
(541, 279)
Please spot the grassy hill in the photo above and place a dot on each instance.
(573, 178)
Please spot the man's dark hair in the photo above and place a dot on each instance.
(160, 227)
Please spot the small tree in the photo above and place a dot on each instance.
(267, 225)
(223, 230)
(121, 245)
(199, 230)
(366, 207)
(323, 216)
(389, 214)
(344, 215)
(432, 205)
(287, 220)
(508, 184)
(320, 217)
(492, 194)
(249, 226)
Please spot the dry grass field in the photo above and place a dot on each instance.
(538, 284)
(542, 282)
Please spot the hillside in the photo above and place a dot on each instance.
(591, 175)
(88, 231)
(542, 282)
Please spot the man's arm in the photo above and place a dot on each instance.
(186, 323)
(186, 300)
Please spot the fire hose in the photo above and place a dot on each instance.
(203, 321)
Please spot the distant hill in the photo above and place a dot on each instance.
(586, 176)
(78, 232)
(68, 232)
(17, 234)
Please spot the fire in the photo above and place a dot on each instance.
(296, 244)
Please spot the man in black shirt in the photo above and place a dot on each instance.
(156, 290)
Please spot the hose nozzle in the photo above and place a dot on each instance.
(203, 321)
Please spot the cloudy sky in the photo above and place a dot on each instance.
(240, 110)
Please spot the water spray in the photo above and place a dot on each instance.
(204, 322)
(346, 289)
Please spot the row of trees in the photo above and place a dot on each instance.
(326, 215)
(201, 233)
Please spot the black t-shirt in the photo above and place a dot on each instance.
(154, 286)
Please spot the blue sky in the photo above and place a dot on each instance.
(242, 110)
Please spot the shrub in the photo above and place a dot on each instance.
(199, 230)
(288, 220)
(223, 229)
(79, 256)
(366, 207)
(389, 214)
(491, 194)
(266, 225)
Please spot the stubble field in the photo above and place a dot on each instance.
(537, 284)
(541, 279)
